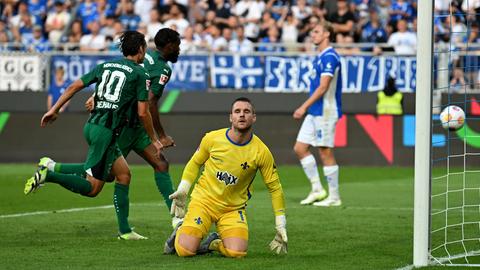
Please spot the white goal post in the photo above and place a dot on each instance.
(423, 124)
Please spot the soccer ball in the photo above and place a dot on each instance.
(452, 117)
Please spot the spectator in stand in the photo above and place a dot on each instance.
(209, 18)
(343, 20)
(108, 28)
(129, 19)
(403, 41)
(222, 12)
(219, 43)
(266, 22)
(458, 83)
(400, 10)
(143, 7)
(3, 41)
(227, 33)
(288, 24)
(94, 41)
(155, 24)
(372, 31)
(57, 87)
(57, 22)
(301, 11)
(304, 32)
(271, 43)
(103, 12)
(4, 29)
(16, 21)
(201, 37)
(118, 29)
(75, 35)
(87, 12)
(346, 46)
(25, 31)
(37, 42)
(188, 44)
(196, 11)
(240, 44)
(250, 13)
(38, 8)
(177, 18)
(142, 28)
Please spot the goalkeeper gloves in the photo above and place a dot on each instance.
(279, 243)
(179, 198)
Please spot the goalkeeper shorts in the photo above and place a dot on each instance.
(200, 217)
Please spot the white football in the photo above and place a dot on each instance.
(452, 117)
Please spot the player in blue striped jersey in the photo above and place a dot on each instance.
(323, 108)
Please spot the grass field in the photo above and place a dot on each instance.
(371, 230)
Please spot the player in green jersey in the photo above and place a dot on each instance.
(167, 42)
(121, 85)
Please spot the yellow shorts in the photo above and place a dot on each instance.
(200, 217)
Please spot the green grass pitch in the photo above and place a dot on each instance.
(371, 230)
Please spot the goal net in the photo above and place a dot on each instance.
(450, 215)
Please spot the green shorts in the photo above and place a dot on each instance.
(102, 151)
(135, 139)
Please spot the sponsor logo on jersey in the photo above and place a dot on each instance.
(163, 79)
(147, 84)
(227, 178)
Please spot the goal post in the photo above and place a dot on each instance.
(423, 131)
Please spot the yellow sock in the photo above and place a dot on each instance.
(227, 252)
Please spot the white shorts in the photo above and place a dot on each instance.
(318, 131)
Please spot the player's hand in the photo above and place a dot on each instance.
(158, 147)
(89, 104)
(167, 141)
(299, 113)
(48, 118)
(179, 198)
(279, 243)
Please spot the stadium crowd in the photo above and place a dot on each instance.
(210, 25)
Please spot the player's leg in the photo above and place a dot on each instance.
(66, 168)
(233, 230)
(146, 150)
(162, 177)
(306, 136)
(196, 225)
(330, 167)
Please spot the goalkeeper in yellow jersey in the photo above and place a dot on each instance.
(231, 156)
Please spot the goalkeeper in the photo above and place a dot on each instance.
(231, 156)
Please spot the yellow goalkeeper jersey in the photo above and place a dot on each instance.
(230, 168)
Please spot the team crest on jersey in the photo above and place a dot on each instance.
(163, 79)
(245, 165)
(198, 220)
(227, 178)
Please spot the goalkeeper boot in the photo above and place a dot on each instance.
(169, 247)
(47, 162)
(329, 201)
(206, 246)
(131, 236)
(35, 182)
(314, 196)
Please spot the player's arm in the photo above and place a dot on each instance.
(143, 111)
(157, 88)
(52, 114)
(325, 81)
(153, 107)
(269, 173)
(189, 175)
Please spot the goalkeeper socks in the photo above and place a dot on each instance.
(331, 173)
(122, 205)
(309, 166)
(229, 252)
(70, 168)
(165, 186)
(71, 182)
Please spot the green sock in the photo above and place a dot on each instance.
(121, 203)
(70, 168)
(71, 182)
(165, 186)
